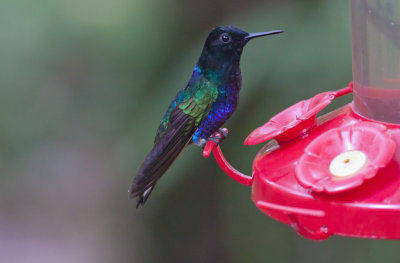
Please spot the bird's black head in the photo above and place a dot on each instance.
(225, 45)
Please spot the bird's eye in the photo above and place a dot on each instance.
(225, 37)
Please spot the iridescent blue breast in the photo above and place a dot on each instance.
(227, 101)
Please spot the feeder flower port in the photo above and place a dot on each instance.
(342, 158)
(339, 173)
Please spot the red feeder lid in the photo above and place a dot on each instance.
(295, 120)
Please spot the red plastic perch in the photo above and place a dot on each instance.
(225, 166)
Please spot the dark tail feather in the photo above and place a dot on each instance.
(164, 153)
(155, 165)
(143, 196)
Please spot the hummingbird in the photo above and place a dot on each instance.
(199, 110)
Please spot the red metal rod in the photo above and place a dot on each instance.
(291, 209)
(344, 91)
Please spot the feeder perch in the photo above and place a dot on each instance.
(337, 174)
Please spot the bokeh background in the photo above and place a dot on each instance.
(83, 86)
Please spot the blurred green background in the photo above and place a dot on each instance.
(84, 85)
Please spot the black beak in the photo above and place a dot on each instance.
(254, 35)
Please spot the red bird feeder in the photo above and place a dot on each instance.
(337, 174)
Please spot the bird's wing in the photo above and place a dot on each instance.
(182, 123)
(196, 100)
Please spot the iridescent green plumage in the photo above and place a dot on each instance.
(195, 100)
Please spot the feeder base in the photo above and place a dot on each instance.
(370, 210)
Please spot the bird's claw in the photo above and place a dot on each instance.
(214, 140)
(218, 136)
(201, 143)
(223, 131)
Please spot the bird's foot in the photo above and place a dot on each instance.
(201, 143)
(214, 140)
(218, 136)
